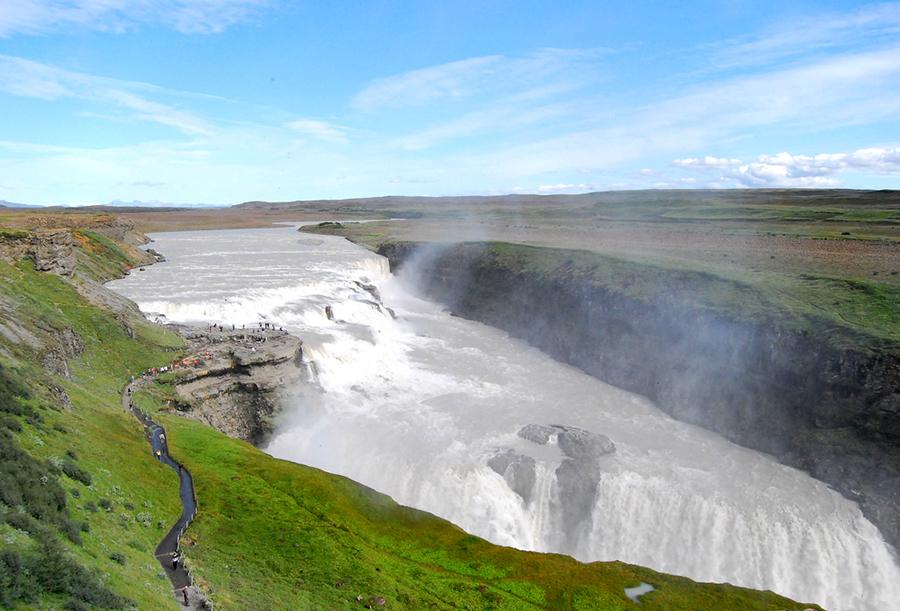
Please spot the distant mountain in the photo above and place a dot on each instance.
(6, 204)
(118, 203)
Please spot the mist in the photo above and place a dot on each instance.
(459, 419)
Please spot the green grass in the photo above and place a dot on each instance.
(855, 313)
(108, 442)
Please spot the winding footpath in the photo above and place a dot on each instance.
(178, 576)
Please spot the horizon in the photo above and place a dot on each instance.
(165, 205)
(220, 102)
(161, 205)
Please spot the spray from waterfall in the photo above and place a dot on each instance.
(456, 418)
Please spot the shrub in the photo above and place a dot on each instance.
(106, 504)
(75, 492)
(118, 557)
(72, 530)
(75, 472)
(91, 506)
(10, 422)
(71, 454)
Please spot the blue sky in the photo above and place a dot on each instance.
(224, 101)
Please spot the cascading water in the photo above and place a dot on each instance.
(458, 419)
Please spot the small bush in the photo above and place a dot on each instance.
(72, 530)
(117, 557)
(10, 422)
(71, 454)
(91, 506)
(106, 504)
(75, 492)
(129, 506)
(75, 472)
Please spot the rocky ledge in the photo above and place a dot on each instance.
(234, 380)
(52, 250)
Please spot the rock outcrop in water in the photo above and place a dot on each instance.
(833, 412)
(238, 388)
(576, 476)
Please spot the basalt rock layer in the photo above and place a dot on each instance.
(830, 411)
(238, 389)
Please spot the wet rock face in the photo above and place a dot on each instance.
(517, 470)
(832, 412)
(537, 433)
(576, 476)
(574, 442)
(579, 444)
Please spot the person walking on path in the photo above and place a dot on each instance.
(159, 455)
(175, 558)
(185, 594)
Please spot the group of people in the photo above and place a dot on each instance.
(261, 327)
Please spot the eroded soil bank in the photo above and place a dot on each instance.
(834, 412)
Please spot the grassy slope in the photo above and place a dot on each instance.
(270, 534)
(107, 442)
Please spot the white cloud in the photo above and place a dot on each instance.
(788, 170)
(185, 16)
(478, 76)
(706, 162)
(321, 130)
(31, 79)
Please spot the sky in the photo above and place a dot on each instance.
(224, 101)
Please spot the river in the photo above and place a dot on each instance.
(428, 407)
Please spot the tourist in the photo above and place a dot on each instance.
(175, 559)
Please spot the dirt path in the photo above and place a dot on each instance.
(178, 576)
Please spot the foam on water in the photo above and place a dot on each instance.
(416, 406)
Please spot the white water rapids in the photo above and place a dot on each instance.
(415, 406)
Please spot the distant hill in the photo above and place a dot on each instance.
(795, 197)
(6, 204)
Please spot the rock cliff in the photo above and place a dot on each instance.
(52, 250)
(238, 388)
(832, 412)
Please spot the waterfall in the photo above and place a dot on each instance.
(455, 418)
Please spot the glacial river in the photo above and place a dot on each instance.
(428, 408)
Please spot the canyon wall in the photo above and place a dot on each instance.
(832, 412)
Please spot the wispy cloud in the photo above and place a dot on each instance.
(321, 130)
(26, 78)
(860, 28)
(185, 16)
(478, 76)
